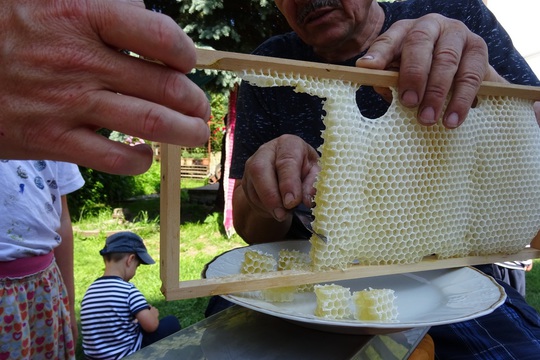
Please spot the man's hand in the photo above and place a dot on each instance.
(277, 178)
(280, 176)
(63, 78)
(435, 55)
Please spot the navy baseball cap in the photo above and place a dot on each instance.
(127, 242)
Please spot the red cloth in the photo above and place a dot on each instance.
(228, 184)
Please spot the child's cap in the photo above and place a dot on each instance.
(127, 242)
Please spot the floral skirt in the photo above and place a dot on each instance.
(34, 317)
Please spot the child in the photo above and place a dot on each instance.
(116, 319)
(36, 260)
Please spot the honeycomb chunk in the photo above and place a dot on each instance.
(333, 301)
(256, 262)
(295, 260)
(375, 305)
(279, 294)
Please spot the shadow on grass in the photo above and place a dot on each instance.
(188, 311)
(190, 212)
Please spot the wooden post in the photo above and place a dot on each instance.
(169, 209)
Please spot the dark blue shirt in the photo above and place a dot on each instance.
(264, 114)
(513, 330)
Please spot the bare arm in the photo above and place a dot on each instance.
(277, 178)
(148, 319)
(64, 258)
(63, 78)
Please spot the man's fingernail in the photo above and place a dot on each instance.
(367, 57)
(427, 116)
(279, 213)
(452, 121)
(409, 98)
(289, 199)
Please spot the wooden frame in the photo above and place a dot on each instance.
(174, 289)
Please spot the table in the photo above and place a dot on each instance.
(240, 333)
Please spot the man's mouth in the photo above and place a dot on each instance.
(315, 10)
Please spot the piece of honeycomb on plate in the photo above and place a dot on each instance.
(279, 294)
(256, 262)
(374, 305)
(295, 260)
(333, 301)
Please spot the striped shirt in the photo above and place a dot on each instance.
(108, 312)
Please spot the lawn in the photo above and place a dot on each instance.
(202, 239)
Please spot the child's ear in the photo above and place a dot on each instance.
(130, 259)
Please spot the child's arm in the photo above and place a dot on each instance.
(148, 319)
(64, 258)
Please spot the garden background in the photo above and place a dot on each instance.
(222, 25)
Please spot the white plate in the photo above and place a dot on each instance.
(424, 298)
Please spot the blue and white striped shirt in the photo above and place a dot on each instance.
(108, 324)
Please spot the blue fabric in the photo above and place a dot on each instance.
(512, 331)
(513, 277)
(167, 326)
(264, 114)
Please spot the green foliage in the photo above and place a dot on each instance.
(103, 191)
(149, 182)
(195, 153)
(229, 24)
(219, 103)
(219, 106)
(533, 285)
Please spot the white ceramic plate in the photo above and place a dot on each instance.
(425, 298)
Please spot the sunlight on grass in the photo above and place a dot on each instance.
(200, 243)
(533, 285)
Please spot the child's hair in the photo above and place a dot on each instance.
(116, 257)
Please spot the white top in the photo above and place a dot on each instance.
(31, 206)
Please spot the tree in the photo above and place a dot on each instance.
(229, 25)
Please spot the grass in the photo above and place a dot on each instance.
(202, 239)
(533, 285)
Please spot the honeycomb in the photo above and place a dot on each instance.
(333, 301)
(375, 305)
(256, 262)
(295, 260)
(391, 191)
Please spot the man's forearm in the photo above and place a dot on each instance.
(251, 226)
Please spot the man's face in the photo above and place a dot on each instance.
(325, 23)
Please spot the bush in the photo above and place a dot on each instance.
(103, 191)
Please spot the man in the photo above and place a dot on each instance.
(460, 59)
(63, 78)
(437, 45)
